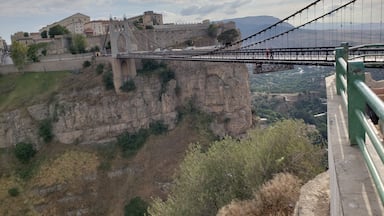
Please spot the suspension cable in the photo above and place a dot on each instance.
(302, 25)
(370, 29)
(381, 20)
(270, 27)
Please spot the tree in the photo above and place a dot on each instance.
(78, 44)
(32, 52)
(26, 34)
(24, 151)
(44, 34)
(228, 36)
(212, 30)
(45, 130)
(57, 30)
(136, 207)
(232, 169)
(19, 54)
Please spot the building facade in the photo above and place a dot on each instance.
(3, 44)
(75, 23)
(96, 27)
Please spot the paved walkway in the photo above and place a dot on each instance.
(352, 189)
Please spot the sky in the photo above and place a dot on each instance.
(31, 15)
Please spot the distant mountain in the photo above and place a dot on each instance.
(252, 24)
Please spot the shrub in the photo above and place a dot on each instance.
(212, 30)
(128, 86)
(232, 169)
(108, 80)
(276, 197)
(86, 64)
(130, 143)
(136, 207)
(100, 69)
(45, 130)
(24, 151)
(13, 192)
(149, 65)
(158, 127)
(228, 36)
(166, 76)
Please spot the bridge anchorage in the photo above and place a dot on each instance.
(122, 41)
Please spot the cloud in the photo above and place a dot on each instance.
(226, 7)
(198, 10)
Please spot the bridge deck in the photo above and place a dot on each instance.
(352, 189)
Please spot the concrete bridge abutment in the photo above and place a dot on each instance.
(123, 70)
(122, 42)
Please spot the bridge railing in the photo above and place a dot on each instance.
(350, 84)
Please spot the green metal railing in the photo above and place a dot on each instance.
(350, 84)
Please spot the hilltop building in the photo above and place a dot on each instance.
(74, 23)
(22, 37)
(149, 18)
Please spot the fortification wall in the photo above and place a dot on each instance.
(51, 63)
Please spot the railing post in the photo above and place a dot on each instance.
(355, 101)
(343, 53)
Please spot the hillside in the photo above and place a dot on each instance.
(252, 24)
(64, 179)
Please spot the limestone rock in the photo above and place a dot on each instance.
(95, 116)
(314, 197)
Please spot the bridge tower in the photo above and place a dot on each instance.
(122, 41)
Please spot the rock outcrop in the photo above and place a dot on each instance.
(314, 197)
(97, 116)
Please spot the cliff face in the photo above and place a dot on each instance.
(96, 116)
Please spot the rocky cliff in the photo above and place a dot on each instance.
(94, 115)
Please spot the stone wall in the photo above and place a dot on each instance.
(96, 116)
(55, 63)
(175, 36)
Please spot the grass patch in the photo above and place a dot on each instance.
(66, 167)
(18, 90)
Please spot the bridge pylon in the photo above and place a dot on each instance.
(122, 42)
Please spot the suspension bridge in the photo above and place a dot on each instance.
(315, 35)
(326, 24)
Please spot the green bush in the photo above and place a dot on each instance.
(233, 169)
(165, 76)
(136, 207)
(128, 86)
(24, 151)
(45, 130)
(100, 69)
(86, 64)
(13, 192)
(149, 65)
(212, 30)
(130, 143)
(158, 127)
(228, 36)
(108, 80)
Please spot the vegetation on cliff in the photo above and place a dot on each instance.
(233, 169)
(20, 90)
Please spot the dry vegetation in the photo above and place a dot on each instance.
(276, 197)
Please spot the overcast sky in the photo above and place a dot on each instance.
(31, 15)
